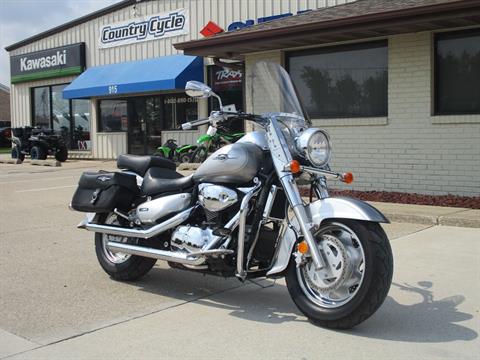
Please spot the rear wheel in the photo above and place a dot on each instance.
(17, 154)
(38, 153)
(118, 265)
(355, 281)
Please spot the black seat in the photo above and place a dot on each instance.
(140, 164)
(161, 180)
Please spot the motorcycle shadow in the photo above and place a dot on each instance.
(427, 321)
(262, 301)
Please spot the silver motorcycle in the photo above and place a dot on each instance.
(241, 213)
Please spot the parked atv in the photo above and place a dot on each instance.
(213, 140)
(38, 143)
(170, 150)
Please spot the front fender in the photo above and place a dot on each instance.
(320, 210)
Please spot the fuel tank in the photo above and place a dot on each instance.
(232, 164)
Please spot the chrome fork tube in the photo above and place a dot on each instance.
(241, 273)
(298, 208)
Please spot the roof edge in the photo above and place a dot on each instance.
(104, 11)
(242, 36)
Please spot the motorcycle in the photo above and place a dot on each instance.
(180, 154)
(241, 214)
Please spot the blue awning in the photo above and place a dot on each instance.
(163, 73)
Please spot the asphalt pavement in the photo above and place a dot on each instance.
(57, 303)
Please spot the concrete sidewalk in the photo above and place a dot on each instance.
(429, 215)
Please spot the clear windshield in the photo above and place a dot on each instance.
(271, 91)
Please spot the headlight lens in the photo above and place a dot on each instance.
(314, 145)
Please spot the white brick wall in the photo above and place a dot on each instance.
(411, 150)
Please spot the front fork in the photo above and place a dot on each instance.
(304, 220)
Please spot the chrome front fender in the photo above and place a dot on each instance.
(318, 211)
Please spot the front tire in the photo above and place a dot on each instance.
(357, 285)
(199, 155)
(120, 266)
(61, 154)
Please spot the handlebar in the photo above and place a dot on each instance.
(223, 116)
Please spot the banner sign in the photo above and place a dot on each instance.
(226, 79)
(56, 62)
(158, 26)
(237, 25)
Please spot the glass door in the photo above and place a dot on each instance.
(137, 126)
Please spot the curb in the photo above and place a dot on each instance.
(54, 163)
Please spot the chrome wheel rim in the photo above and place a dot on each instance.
(339, 282)
(112, 256)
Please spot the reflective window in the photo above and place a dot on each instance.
(61, 112)
(70, 118)
(41, 107)
(113, 115)
(81, 124)
(342, 81)
(457, 73)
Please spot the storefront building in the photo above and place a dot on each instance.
(395, 83)
(112, 82)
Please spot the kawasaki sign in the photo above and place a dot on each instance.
(56, 62)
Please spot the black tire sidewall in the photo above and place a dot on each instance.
(315, 312)
(37, 153)
(61, 154)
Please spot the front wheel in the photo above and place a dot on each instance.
(61, 154)
(118, 265)
(199, 155)
(355, 281)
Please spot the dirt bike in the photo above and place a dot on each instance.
(214, 139)
(178, 154)
(241, 214)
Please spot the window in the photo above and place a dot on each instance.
(178, 109)
(457, 73)
(113, 115)
(41, 107)
(81, 124)
(51, 110)
(342, 81)
(228, 84)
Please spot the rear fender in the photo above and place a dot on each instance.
(319, 211)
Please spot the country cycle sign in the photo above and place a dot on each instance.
(158, 26)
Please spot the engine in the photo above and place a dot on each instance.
(215, 200)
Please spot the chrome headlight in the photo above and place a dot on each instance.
(314, 145)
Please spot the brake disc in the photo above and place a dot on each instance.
(336, 270)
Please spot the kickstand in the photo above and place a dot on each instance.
(262, 286)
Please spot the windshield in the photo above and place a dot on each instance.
(271, 90)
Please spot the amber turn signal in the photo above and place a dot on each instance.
(347, 177)
(302, 247)
(295, 167)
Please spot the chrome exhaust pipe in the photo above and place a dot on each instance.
(195, 259)
(138, 233)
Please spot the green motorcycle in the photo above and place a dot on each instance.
(180, 154)
(213, 140)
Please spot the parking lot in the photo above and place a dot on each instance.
(57, 303)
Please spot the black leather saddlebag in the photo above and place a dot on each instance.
(101, 192)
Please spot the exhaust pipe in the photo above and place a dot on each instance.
(195, 259)
(138, 233)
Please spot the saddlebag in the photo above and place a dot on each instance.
(102, 192)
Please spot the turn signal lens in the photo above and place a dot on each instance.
(347, 177)
(302, 247)
(295, 167)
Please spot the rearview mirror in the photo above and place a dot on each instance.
(198, 89)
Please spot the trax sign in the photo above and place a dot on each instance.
(56, 62)
(158, 26)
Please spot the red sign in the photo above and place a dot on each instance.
(211, 29)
